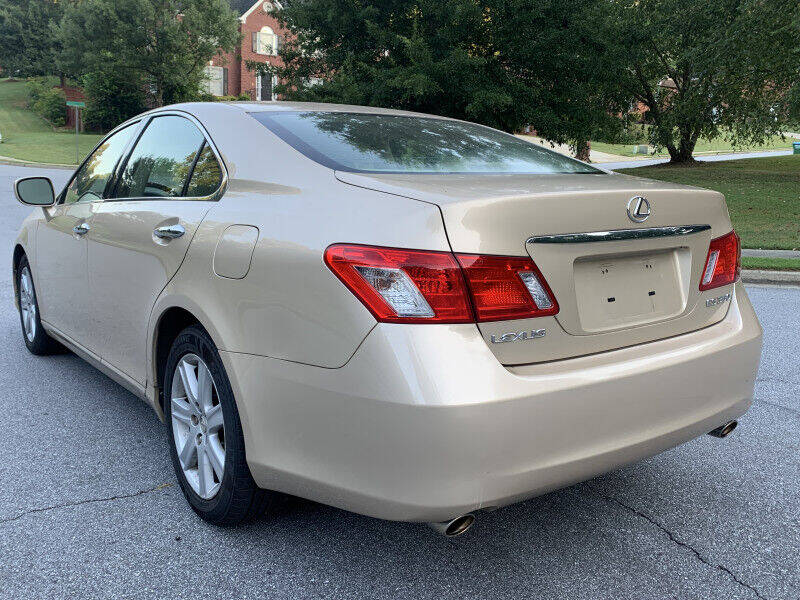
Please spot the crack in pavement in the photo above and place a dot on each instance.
(776, 405)
(683, 544)
(87, 501)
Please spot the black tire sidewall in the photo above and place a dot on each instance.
(219, 509)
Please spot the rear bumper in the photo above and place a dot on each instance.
(424, 424)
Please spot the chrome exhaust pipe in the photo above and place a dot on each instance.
(724, 430)
(454, 527)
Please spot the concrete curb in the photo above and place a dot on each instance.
(757, 253)
(7, 160)
(771, 277)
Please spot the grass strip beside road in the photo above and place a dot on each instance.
(770, 264)
(763, 195)
(27, 136)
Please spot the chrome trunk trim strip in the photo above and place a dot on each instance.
(617, 235)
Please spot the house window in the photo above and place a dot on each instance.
(266, 42)
(216, 82)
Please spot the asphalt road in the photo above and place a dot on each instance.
(630, 164)
(89, 506)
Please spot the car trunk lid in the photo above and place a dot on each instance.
(618, 282)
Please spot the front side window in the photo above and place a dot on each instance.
(160, 164)
(91, 179)
(382, 143)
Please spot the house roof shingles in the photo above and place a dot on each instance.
(241, 6)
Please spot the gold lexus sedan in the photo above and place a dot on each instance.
(405, 316)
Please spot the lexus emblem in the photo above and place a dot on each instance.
(638, 209)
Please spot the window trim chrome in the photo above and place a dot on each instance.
(618, 235)
(148, 118)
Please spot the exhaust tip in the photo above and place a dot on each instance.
(724, 430)
(454, 527)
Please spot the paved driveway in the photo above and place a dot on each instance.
(89, 507)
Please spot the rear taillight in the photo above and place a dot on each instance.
(403, 286)
(507, 287)
(420, 286)
(723, 262)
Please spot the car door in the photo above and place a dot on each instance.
(61, 255)
(141, 232)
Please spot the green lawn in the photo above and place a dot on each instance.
(763, 195)
(27, 136)
(716, 145)
(773, 264)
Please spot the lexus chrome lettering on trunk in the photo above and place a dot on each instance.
(518, 336)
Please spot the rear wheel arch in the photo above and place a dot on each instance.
(170, 324)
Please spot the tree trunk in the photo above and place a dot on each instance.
(582, 149)
(62, 80)
(682, 154)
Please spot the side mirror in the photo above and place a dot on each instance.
(35, 191)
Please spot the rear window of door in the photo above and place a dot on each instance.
(163, 161)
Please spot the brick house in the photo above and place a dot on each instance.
(261, 40)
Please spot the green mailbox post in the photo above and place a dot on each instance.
(77, 106)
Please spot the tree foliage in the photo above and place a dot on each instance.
(29, 43)
(506, 63)
(705, 69)
(162, 45)
(112, 97)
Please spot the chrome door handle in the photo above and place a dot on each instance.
(81, 229)
(169, 232)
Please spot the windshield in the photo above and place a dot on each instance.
(381, 143)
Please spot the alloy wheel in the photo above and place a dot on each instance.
(27, 303)
(197, 425)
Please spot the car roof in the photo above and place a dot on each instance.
(284, 106)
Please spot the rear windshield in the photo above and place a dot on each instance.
(380, 143)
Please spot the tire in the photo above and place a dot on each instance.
(234, 497)
(35, 337)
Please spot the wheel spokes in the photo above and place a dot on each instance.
(205, 386)
(188, 455)
(205, 477)
(188, 379)
(216, 456)
(198, 425)
(182, 410)
(27, 304)
(214, 419)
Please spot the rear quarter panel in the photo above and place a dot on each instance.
(289, 305)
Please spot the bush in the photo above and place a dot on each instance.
(50, 104)
(228, 98)
(35, 87)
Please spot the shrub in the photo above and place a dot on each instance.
(51, 104)
(35, 88)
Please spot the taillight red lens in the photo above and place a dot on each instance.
(403, 286)
(507, 287)
(421, 286)
(723, 262)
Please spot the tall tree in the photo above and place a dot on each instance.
(504, 63)
(705, 69)
(29, 42)
(165, 44)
